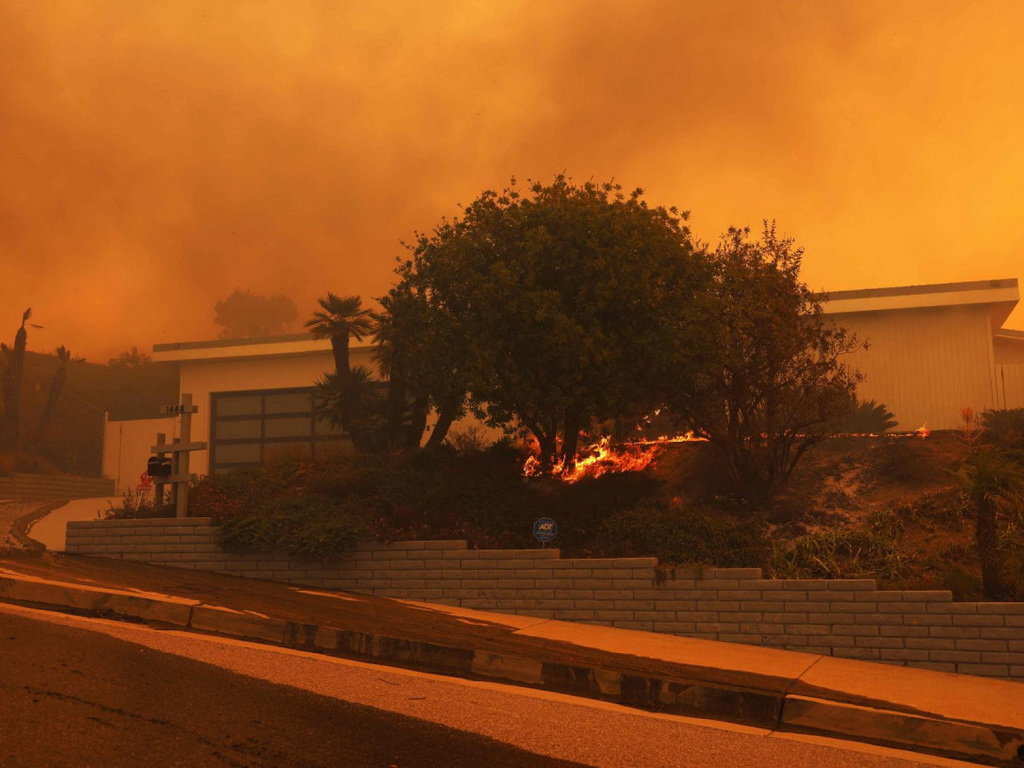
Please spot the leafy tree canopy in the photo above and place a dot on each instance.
(776, 383)
(244, 314)
(560, 305)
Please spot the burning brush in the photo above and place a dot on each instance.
(602, 458)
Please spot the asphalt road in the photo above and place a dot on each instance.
(73, 697)
(81, 691)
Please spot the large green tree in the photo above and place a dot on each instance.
(776, 382)
(424, 360)
(561, 305)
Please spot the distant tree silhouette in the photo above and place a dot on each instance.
(60, 376)
(132, 358)
(244, 314)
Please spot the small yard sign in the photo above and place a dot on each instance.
(545, 530)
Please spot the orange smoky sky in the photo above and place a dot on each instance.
(157, 156)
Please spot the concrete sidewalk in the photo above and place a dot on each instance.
(960, 716)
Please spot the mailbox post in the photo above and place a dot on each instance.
(179, 476)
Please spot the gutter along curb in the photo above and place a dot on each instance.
(772, 689)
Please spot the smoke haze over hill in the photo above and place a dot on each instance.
(156, 156)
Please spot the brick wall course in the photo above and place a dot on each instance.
(849, 618)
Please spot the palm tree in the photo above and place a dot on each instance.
(14, 357)
(60, 376)
(994, 485)
(340, 319)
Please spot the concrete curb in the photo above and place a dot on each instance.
(774, 709)
(899, 729)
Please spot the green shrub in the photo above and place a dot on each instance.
(1005, 428)
(839, 555)
(888, 524)
(866, 418)
(307, 525)
(326, 539)
(679, 536)
(901, 461)
(479, 496)
(963, 584)
(135, 506)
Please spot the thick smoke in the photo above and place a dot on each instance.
(155, 156)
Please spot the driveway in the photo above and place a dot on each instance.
(40, 523)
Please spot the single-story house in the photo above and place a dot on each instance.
(933, 349)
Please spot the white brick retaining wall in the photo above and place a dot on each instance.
(850, 618)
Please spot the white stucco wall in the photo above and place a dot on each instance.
(126, 447)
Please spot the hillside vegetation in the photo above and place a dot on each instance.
(73, 440)
(858, 507)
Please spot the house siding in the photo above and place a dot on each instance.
(925, 364)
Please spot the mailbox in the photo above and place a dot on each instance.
(158, 466)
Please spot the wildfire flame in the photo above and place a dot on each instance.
(601, 458)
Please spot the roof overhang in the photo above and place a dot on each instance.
(1001, 295)
(242, 349)
(1007, 333)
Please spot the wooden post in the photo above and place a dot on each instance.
(174, 473)
(158, 494)
(180, 476)
(182, 456)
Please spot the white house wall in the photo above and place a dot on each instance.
(925, 364)
(126, 447)
(1010, 384)
(1009, 351)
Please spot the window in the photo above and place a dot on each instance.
(247, 428)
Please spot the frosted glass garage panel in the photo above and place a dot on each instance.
(289, 402)
(273, 451)
(238, 405)
(288, 427)
(241, 453)
(238, 429)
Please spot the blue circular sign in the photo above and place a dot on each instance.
(545, 530)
